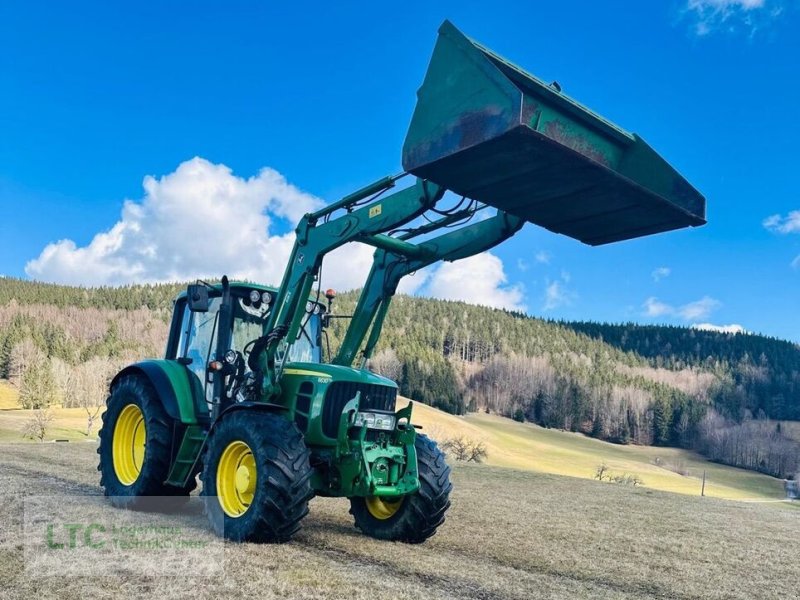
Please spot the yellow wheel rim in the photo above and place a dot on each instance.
(383, 508)
(128, 443)
(236, 479)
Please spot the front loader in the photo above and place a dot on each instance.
(245, 397)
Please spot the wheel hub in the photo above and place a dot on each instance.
(383, 508)
(236, 478)
(128, 444)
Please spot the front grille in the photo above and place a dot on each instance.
(373, 397)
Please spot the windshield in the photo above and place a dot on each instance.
(248, 324)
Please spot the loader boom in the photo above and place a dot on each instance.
(388, 268)
(320, 233)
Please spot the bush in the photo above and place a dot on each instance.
(603, 474)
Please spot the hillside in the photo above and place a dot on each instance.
(519, 446)
(533, 448)
(646, 386)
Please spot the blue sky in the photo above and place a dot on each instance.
(287, 108)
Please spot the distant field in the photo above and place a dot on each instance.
(530, 447)
(510, 534)
(523, 446)
(9, 398)
(68, 424)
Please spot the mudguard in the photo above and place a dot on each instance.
(178, 388)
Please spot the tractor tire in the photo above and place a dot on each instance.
(413, 518)
(136, 449)
(256, 477)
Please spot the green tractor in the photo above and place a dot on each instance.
(246, 398)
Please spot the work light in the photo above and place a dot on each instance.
(375, 420)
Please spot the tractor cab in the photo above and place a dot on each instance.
(195, 330)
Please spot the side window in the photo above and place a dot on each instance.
(183, 332)
(178, 330)
(198, 339)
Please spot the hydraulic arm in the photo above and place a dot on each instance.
(365, 220)
(388, 268)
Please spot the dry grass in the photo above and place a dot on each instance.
(510, 534)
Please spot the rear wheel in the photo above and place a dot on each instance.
(136, 446)
(413, 518)
(256, 477)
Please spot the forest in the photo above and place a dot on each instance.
(724, 395)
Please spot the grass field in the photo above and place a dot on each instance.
(510, 534)
(527, 447)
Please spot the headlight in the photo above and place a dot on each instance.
(255, 296)
(375, 421)
(231, 356)
(309, 307)
(266, 297)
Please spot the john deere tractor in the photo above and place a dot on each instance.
(246, 398)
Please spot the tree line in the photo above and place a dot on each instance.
(622, 383)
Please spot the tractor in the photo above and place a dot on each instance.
(246, 398)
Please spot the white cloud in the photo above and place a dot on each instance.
(556, 296)
(522, 265)
(732, 328)
(796, 262)
(788, 224)
(479, 279)
(655, 308)
(725, 4)
(709, 16)
(543, 257)
(199, 221)
(699, 309)
(660, 273)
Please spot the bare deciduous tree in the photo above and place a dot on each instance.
(387, 363)
(36, 427)
(465, 449)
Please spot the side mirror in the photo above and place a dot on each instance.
(197, 297)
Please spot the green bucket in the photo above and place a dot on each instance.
(486, 129)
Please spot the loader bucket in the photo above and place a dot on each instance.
(488, 130)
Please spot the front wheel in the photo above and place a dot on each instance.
(256, 477)
(413, 518)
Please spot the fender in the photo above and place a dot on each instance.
(250, 405)
(177, 387)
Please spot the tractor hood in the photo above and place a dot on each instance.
(335, 373)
